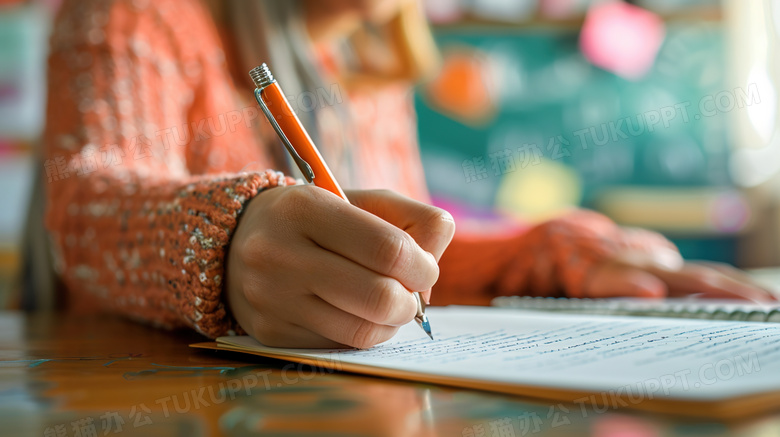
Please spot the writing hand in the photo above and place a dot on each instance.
(307, 269)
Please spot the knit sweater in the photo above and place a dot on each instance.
(151, 155)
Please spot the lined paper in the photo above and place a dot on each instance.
(651, 357)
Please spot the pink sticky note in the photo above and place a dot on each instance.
(622, 38)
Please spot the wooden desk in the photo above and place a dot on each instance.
(74, 376)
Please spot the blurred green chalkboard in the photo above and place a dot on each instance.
(614, 131)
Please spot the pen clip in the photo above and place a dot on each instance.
(304, 166)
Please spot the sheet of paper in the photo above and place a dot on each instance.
(662, 358)
(617, 303)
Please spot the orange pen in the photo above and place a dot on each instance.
(290, 130)
(285, 122)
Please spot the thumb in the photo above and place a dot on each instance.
(431, 227)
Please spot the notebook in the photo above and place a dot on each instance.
(704, 368)
(679, 308)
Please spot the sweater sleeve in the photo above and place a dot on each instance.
(554, 258)
(143, 198)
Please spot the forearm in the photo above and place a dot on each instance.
(156, 253)
(470, 268)
(135, 232)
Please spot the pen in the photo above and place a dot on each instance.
(304, 153)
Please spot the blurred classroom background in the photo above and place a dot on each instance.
(659, 113)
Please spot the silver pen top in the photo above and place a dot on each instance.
(261, 76)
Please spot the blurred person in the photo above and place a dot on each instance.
(162, 210)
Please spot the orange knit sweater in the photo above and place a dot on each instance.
(148, 147)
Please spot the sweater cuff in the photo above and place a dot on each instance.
(211, 212)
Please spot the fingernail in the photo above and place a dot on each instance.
(668, 259)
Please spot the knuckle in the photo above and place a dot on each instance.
(380, 301)
(433, 214)
(249, 291)
(384, 192)
(392, 253)
(365, 335)
(296, 199)
(254, 249)
(265, 332)
(295, 211)
(256, 293)
(245, 249)
(444, 221)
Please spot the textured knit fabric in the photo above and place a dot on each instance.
(148, 152)
(142, 161)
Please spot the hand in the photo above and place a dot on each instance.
(307, 269)
(658, 275)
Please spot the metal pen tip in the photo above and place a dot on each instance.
(421, 318)
(425, 325)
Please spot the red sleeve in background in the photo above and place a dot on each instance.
(551, 259)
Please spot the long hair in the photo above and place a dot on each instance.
(274, 32)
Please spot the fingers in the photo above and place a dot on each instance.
(432, 228)
(365, 239)
(317, 324)
(615, 280)
(709, 282)
(738, 275)
(359, 291)
(344, 328)
(646, 248)
(273, 331)
(660, 257)
(426, 296)
(278, 333)
(653, 281)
